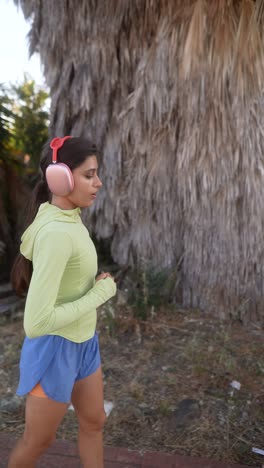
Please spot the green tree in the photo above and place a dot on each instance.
(30, 125)
(23, 130)
(5, 121)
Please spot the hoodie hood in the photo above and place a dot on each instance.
(46, 214)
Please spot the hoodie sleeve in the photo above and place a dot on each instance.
(51, 254)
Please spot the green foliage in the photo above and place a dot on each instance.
(23, 121)
(30, 124)
(153, 288)
(5, 120)
(23, 131)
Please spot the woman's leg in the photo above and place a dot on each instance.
(88, 401)
(43, 417)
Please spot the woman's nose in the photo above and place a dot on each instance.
(98, 182)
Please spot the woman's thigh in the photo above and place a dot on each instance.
(88, 400)
(43, 417)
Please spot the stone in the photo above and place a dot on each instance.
(11, 404)
(186, 412)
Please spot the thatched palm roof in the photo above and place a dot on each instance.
(173, 93)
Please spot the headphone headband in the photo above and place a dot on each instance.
(56, 144)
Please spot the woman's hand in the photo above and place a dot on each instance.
(104, 275)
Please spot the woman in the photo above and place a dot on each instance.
(60, 359)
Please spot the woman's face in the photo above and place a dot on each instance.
(86, 184)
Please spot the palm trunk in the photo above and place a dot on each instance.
(172, 92)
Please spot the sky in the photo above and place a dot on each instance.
(14, 55)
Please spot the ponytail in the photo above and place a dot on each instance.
(22, 268)
(40, 195)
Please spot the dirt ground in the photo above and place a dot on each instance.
(170, 380)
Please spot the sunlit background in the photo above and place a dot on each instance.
(14, 55)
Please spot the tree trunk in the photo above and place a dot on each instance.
(172, 93)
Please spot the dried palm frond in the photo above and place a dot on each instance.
(259, 11)
(194, 46)
(249, 58)
(172, 92)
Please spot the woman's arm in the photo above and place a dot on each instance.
(51, 254)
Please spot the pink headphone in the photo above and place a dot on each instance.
(58, 175)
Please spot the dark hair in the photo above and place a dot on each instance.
(73, 153)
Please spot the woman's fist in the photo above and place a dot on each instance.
(104, 275)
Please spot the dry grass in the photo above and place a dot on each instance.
(151, 366)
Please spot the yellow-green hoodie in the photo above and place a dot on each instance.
(63, 295)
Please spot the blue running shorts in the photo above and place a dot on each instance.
(56, 363)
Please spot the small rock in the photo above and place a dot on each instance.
(186, 412)
(11, 404)
(143, 406)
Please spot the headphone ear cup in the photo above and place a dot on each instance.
(59, 179)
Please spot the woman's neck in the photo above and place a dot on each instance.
(62, 202)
